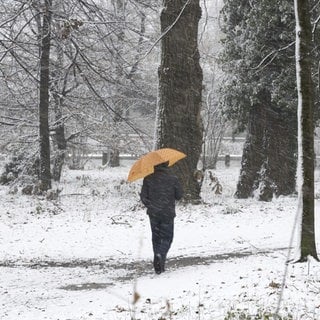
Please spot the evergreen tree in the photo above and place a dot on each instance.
(259, 91)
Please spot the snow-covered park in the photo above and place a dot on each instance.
(88, 255)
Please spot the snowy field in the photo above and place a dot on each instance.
(88, 255)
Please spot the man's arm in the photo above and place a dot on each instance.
(144, 194)
(178, 190)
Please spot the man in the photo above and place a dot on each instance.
(159, 192)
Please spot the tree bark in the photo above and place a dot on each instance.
(44, 174)
(281, 148)
(179, 123)
(61, 145)
(265, 172)
(253, 152)
(305, 129)
(58, 94)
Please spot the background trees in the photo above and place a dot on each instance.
(103, 83)
(99, 81)
(101, 77)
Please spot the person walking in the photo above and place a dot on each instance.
(159, 192)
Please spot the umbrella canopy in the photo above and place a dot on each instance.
(145, 165)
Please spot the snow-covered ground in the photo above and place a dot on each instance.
(88, 255)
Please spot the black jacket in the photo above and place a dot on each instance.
(159, 192)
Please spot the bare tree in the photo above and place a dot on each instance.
(214, 126)
(44, 143)
(85, 88)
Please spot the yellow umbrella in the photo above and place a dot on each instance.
(145, 165)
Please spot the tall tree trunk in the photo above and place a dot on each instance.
(305, 129)
(253, 152)
(119, 101)
(281, 150)
(268, 163)
(44, 174)
(180, 88)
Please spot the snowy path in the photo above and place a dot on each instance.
(104, 290)
(138, 268)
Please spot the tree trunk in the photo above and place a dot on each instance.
(44, 174)
(281, 149)
(268, 163)
(253, 152)
(58, 81)
(119, 102)
(114, 158)
(305, 129)
(180, 88)
(61, 145)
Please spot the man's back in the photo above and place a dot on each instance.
(159, 192)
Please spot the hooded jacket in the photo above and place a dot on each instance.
(159, 192)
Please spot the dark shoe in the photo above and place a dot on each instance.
(163, 261)
(157, 262)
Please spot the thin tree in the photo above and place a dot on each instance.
(305, 129)
(44, 142)
(180, 89)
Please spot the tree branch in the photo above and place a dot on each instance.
(167, 30)
(274, 53)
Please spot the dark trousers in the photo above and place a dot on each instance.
(162, 235)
